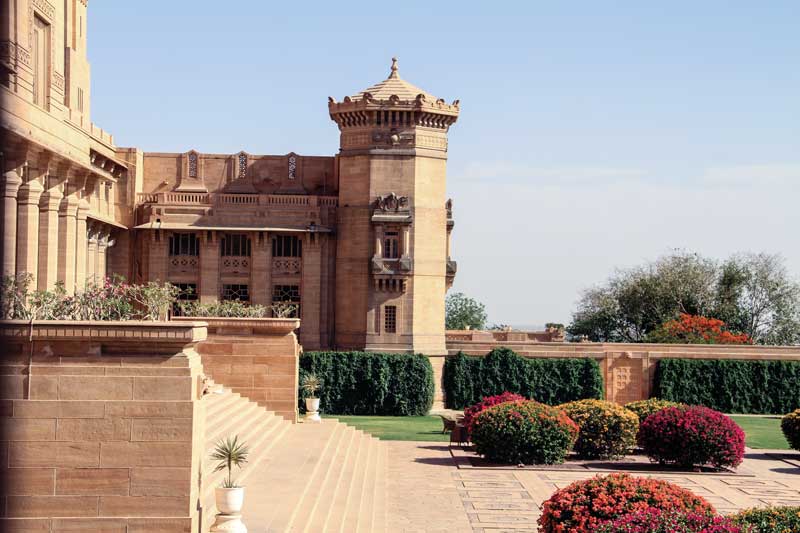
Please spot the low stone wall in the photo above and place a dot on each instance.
(101, 426)
(255, 357)
(628, 369)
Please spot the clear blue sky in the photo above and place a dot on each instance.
(593, 135)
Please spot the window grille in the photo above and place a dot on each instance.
(287, 294)
(237, 244)
(235, 292)
(184, 244)
(188, 294)
(390, 319)
(391, 245)
(287, 246)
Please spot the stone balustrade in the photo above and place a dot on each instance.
(254, 200)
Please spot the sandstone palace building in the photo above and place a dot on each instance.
(360, 240)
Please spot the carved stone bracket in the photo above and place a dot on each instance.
(391, 202)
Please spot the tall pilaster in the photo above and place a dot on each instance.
(66, 241)
(28, 229)
(157, 256)
(209, 268)
(81, 244)
(261, 270)
(102, 250)
(49, 204)
(9, 189)
(311, 292)
(91, 254)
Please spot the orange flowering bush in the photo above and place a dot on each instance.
(585, 505)
(525, 432)
(486, 402)
(695, 329)
(606, 429)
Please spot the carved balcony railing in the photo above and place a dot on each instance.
(287, 265)
(234, 265)
(183, 265)
(221, 199)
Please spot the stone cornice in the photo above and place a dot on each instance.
(98, 331)
(282, 326)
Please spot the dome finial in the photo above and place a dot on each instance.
(394, 73)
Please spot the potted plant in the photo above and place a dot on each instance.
(310, 385)
(229, 452)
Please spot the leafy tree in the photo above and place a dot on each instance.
(752, 293)
(463, 312)
(693, 329)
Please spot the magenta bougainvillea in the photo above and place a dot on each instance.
(692, 436)
(654, 520)
(488, 401)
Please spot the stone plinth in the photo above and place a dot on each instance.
(101, 427)
(255, 357)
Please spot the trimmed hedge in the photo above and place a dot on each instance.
(552, 381)
(361, 383)
(730, 386)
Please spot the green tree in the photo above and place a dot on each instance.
(463, 312)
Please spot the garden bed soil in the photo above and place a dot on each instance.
(466, 458)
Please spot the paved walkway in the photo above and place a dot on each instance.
(428, 493)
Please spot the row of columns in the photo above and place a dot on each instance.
(46, 235)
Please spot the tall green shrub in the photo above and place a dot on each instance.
(361, 383)
(552, 381)
(730, 386)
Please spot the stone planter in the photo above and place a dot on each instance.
(229, 501)
(312, 410)
(244, 326)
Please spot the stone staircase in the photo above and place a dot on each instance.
(326, 477)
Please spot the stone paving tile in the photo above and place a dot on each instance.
(428, 493)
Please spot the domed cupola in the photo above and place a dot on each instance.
(393, 114)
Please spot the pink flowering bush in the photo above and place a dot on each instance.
(692, 436)
(585, 505)
(487, 401)
(654, 520)
(525, 432)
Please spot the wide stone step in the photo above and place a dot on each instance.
(355, 498)
(339, 498)
(237, 421)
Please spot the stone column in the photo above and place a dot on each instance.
(379, 241)
(49, 248)
(81, 245)
(28, 229)
(91, 254)
(66, 241)
(157, 269)
(260, 270)
(102, 250)
(311, 292)
(9, 188)
(407, 242)
(209, 268)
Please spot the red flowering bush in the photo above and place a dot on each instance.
(695, 329)
(525, 432)
(690, 436)
(487, 401)
(653, 520)
(585, 505)
(606, 429)
(790, 425)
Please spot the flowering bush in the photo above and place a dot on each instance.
(585, 505)
(653, 520)
(523, 431)
(487, 401)
(645, 408)
(790, 425)
(769, 519)
(691, 436)
(223, 309)
(606, 429)
(695, 329)
(107, 299)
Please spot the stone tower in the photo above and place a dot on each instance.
(392, 261)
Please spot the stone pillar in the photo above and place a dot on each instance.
(311, 293)
(157, 256)
(379, 241)
(260, 270)
(91, 254)
(81, 245)
(209, 268)
(102, 250)
(28, 229)
(9, 188)
(407, 242)
(49, 204)
(66, 241)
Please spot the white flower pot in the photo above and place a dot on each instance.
(312, 410)
(229, 501)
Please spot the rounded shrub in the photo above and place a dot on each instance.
(487, 401)
(606, 429)
(692, 436)
(790, 425)
(653, 520)
(585, 505)
(769, 519)
(525, 432)
(645, 408)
